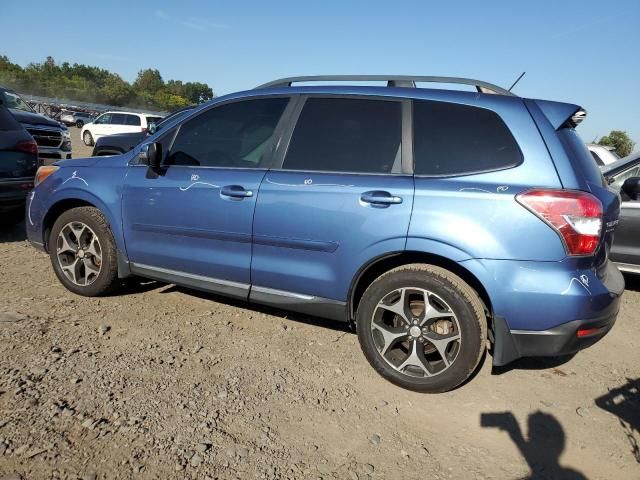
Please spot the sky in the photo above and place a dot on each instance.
(584, 52)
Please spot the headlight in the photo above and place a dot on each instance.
(66, 134)
(43, 172)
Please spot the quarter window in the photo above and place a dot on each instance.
(347, 135)
(454, 139)
(234, 135)
(621, 177)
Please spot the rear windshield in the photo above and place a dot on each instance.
(581, 158)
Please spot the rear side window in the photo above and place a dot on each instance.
(454, 139)
(132, 120)
(346, 135)
(596, 158)
(118, 119)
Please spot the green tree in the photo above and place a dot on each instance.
(149, 80)
(93, 84)
(620, 140)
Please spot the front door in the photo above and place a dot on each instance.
(192, 223)
(340, 199)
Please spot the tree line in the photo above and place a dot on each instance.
(96, 85)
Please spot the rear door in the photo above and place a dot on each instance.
(340, 198)
(133, 123)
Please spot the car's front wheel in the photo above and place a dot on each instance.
(83, 252)
(87, 138)
(422, 328)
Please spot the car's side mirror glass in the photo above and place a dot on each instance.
(631, 188)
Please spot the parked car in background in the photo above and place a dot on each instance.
(53, 138)
(602, 154)
(110, 123)
(18, 164)
(78, 119)
(434, 220)
(123, 142)
(624, 177)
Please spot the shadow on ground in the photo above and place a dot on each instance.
(296, 317)
(12, 233)
(542, 447)
(624, 403)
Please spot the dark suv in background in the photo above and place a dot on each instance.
(53, 138)
(18, 163)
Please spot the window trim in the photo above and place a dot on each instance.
(405, 159)
(269, 151)
(469, 173)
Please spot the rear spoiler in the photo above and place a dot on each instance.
(562, 114)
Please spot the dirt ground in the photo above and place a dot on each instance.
(162, 382)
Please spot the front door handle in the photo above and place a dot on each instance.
(380, 198)
(235, 191)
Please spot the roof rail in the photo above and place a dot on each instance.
(392, 81)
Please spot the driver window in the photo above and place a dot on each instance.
(234, 135)
(621, 177)
(102, 119)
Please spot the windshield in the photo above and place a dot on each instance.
(13, 100)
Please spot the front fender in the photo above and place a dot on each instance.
(76, 185)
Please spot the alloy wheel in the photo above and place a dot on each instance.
(79, 253)
(416, 332)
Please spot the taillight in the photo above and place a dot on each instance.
(28, 146)
(576, 216)
(143, 130)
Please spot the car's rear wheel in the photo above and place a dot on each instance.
(79, 124)
(83, 252)
(422, 328)
(87, 138)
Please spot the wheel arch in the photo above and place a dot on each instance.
(379, 265)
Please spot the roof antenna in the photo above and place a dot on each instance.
(517, 80)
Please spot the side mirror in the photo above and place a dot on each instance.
(151, 154)
(153, 128)
(631, 188)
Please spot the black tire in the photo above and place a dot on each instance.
(107, 277)
(462, 301)
(79, 124)
(87, 138)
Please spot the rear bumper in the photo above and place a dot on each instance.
(549, 321)
(566, 339)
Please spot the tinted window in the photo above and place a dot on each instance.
(118, 119)
(347, 135)
(453, 139)
(132, 120)
(232, 135)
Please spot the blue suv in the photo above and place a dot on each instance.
(439, 222)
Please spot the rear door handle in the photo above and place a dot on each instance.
(235, 191)
(380, 198)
